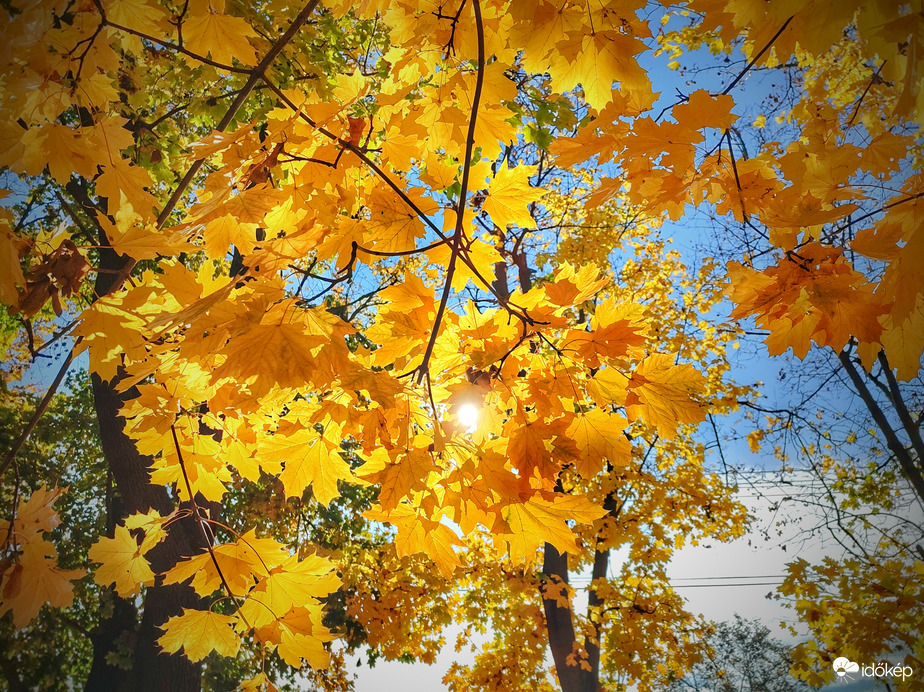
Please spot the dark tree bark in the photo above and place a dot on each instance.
(152, 670)
(560, 626)
(106, 638)
(11, 675)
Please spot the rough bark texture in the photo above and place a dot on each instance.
(560, 626)
(152, 669)
(106, 637)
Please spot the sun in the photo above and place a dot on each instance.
(468, 416)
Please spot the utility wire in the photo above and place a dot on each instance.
(713, 586)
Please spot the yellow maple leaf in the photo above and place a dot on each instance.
(122, 563)
(299, 635)
(152, 523)
(275, 351)
(661, 393)
(221, 36)
(309, 459)
(121, 181)
(420, 534)
(570, 287)
(223, 231)
(393, 226)
(34, 516)
(599, 435)
(439, 175)
(200, 632)
(407, 473)
(136, 14)
(407, 295)
(538, 521)
(903, 341)
(239, 562)
(35, 580)
(597, 60)
(528, 448)
(702, 109)
(509, 197)
(130, 236)
(294, 584)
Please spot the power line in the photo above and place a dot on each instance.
(721, 581)
(740, 576)
(709, 578)
(708, 586)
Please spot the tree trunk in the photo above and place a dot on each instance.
(152, 669)
(106, 637)
(559, 621)
(560, 627)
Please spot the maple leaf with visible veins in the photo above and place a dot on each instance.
(122, 563)
(509, 197)
(199, 633)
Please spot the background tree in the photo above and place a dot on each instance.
(844, 422)
(741, 655)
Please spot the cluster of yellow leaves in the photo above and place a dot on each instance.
(31, 577)
(814, 181)
(240, 379)
(862, 99)
(277, 594)
(886, 29)
(880, 598)
(813, 294)
(502, 477)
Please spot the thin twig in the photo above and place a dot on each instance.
(898, 449)
(515, 310)
(757, 57)
(256, 74)
(422, 370)
(199, 519)
(872, 80)
(37, 414)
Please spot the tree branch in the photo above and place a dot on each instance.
(37, 414)
(913, 430)
(895, 445)
(757, 57)
(514, 310)
(256, 74)
(423, 369)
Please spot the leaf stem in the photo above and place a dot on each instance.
(200, 522)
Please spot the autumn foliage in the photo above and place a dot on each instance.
(295, 243)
